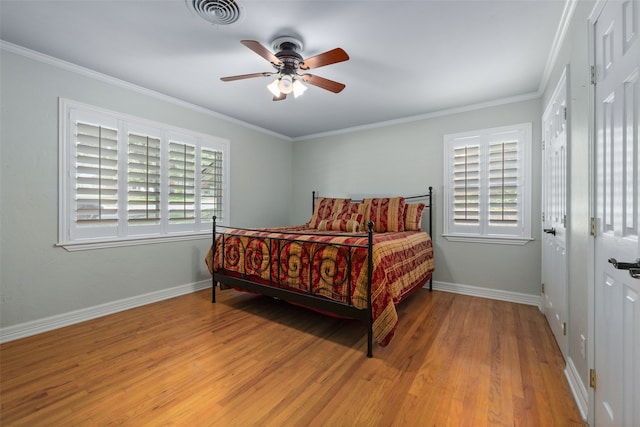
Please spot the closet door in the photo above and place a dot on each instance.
(554, 237)
(617, 247)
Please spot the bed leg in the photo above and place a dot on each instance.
(213, 257)
(431, 284)
(369, 276)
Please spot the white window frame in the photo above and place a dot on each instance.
(74, 235)
(483, 231)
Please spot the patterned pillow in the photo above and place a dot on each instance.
(355, 211)
(325, 208)
(413, 216)
(349, 225)
(386, 213)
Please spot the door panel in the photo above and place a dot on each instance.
(617, 311)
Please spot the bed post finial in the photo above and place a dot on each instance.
(313, 201)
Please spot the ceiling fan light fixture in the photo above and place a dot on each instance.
(285, 84)
(298, 88)
(273, 87)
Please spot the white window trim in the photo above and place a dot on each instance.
(66, 238)
(481, 235)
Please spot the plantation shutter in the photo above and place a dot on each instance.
(96, 173)
(182, 183)
(503, 183)
(125, 181)
(211, 185)
(488, 185)
(143, 179)
(466, 184)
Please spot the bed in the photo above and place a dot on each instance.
(354, 258)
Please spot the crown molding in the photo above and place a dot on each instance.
(558, 40)
(440, 113)
(56, 62)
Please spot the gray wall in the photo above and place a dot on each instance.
(574, 52)
(39, 280)
(405, 159)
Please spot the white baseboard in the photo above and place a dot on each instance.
(578, 389)
(497, 294)
(34, 327)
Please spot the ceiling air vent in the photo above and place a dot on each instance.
(220, 12)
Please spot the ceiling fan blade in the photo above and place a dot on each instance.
(245, 76)
(281, 97)
(261, 50)
(330, 57)
(323, 83)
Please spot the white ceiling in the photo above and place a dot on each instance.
(407, 58)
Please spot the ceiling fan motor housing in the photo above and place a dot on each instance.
(287, 49)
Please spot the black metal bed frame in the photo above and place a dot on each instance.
(274, 289)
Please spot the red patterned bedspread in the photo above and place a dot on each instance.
(321, 265)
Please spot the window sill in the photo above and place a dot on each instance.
(103, 244)
(499, 240)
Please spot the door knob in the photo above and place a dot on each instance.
(635, 273)
(625, 265)
(550, 231)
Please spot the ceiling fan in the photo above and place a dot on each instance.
(290, 67)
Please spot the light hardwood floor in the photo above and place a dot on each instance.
(251, 361)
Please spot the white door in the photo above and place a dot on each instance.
(617, 293)
(554, 248)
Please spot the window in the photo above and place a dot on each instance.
(127, 181)
(488, 185)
